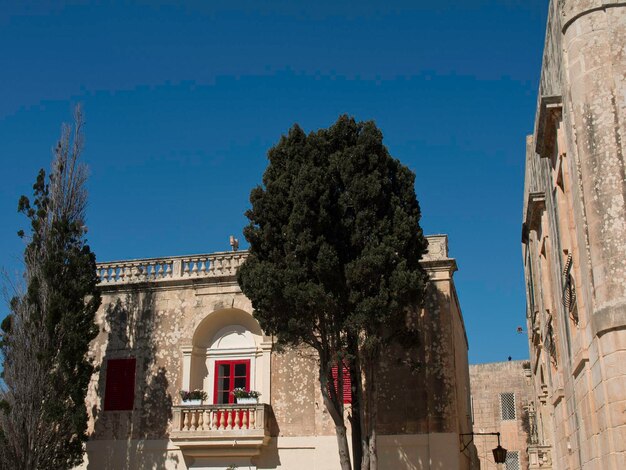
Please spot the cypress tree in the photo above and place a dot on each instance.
(335, 245)
(46, 337)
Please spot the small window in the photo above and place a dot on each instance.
(507, 406)
(512, 460)
(119, 393)
(347, 385)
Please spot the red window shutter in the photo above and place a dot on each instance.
(347, 385)
(119, 393)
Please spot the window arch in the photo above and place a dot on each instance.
(227, 337)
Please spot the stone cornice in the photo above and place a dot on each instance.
(550, 112)
(535, 205)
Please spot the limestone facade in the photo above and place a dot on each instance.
(171, 323)
(501, 395)
(574, 236)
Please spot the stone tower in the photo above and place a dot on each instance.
(574, 236)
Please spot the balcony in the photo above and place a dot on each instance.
(211, 430)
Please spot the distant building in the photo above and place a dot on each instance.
(177, 323)
(574, 237)
(502, 402)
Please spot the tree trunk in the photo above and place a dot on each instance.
(365, 457)
(342, 445)
(373, 415)
(355, 426)
(335, 409)
(365, 411)
(356, 419)
(370, 458)
(372, 453)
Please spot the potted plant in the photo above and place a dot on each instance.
(192, 397)
(244, 396)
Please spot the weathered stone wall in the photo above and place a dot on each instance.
(167, 324)
(576, 160)
(462, 383)
(418, 386)
(296, 397)
(488, 381)
(151, 324)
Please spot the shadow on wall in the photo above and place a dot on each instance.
(421, 402)
(269, 457)
(140, 434)
(411, 462)
(423, 366)
(400, 452)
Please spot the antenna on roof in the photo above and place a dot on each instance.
(234, 243)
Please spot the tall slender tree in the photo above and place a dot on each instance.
(45, 338)
(335, 245)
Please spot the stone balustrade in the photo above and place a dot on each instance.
(173, 268)
(243, 429)
(219, 417)
(221, 264)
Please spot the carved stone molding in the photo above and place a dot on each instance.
(534, 208)
(550, 113)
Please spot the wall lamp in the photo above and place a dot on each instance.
(499, 453)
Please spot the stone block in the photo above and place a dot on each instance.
(616, 390)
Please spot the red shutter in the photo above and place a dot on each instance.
(119, 394)
(347, 386)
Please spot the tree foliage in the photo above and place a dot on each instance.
(335, 245)
(46, 337)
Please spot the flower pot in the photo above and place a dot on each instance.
(247, 401)
(192, 402)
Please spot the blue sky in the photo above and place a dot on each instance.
(183, 101)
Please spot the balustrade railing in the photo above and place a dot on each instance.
(207, 418)
(178, 267)
(219, 264)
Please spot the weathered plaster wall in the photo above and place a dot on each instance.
(296, 397)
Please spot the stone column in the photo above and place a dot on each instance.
(187, 351)
(594, 38)
(265, 362)
(594, 43)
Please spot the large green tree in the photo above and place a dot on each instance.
(335, 245)
(46, 336)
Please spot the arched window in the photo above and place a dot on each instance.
(228, 351)
(232, 359)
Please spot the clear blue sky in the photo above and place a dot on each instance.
(182, 103)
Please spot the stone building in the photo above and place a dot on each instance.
(574, 237)
(182, 323)
(501, 399)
